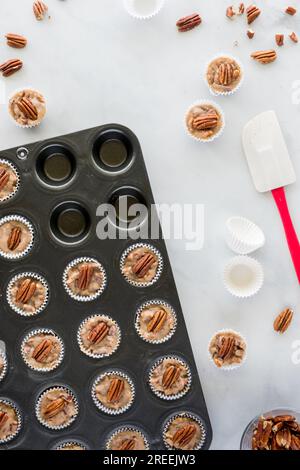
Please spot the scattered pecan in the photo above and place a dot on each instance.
(143, 264)
(127, 444)
(230, 13)
(10, 66)
(293, 36)
(206, 121)
(98, 333)
(55, 407)
(227, 347)
(264, 57)
(276, 433)
(14, 238)
(42, 350)
(157, 321)
(279, 38)
(4, 177)
(184, 435)
(3, 418)
(252, 13)
(283, 320)
(115, 390)
(26, 107)
(40, 9)
(188, 22)
(25, 291)
(291, 11)
(250, 33)
(15, 40)
(85, 276)
(170, 376)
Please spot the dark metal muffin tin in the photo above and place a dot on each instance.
(87, 184)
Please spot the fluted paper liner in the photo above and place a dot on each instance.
(62, 444)
(84, 298)
(243, 236)
(220, 111)
(224, 93)
(14, 169)
(159, 267)
(255, 283)
(230, 366)
(134, 429)
(104, 408)
(175, 396)
(25, 275)
(8, 402)
(129, 6)
(80, 342)
(185, 414)
(43, 421)
(47, 331)
(147, 305)
(23, 220)
(4, 370)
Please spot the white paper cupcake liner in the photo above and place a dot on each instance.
(183, 392)
(85, 298)
(243, 236)
(62, 444)
(252, 272)
(213, 137)
(131, 8)
(15, 170)
(38, 121)
(80, 342)
(8, 402)
(224, 93)
(45, 422)
(46, 331)
(105, 409)
(184, 414)
(4, 369)
(149, 304)
(159, 267)
(18, 218)
(134, 429)
(231, 366)
(9, 296)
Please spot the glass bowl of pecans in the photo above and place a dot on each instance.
(274, 430)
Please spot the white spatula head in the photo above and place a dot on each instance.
(267, 154)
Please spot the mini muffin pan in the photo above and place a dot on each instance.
(62, 182)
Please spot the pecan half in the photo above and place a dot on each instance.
(206, 121)
(284, 438)
(252, 13)
(264, 57)
(10, 66)
(279, 38)
(291, 11)
(293, 36)
(4, 177)
(127, 444)
(263, 433)
(170, 376)
(143, 264)
(3, 418)
(25, 291)
(157, 321)
(225, 74)
(283, 320)
(188, 22)
(184, 435)
(250, 33)
(39, 9)
(85, 276)
(14, 238)
(55, 407)
(295, 442)
(227, 347)
(15, 40)
(42, 350)
(26, 107)
(115, 390)
(98, 333)
(284, 418)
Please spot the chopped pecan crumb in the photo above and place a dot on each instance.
(283, 320)
(279, 38)
(250, 33)
(293, 36)
(291, 11)
(230, 12)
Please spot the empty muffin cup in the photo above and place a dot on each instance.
(243, 236)
(70, 222)
(112, 151)
(243, 276)
(55, 165)
(143, 9)
(130, 207)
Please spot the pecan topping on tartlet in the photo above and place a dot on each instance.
(283, 320)
(98, 333)
(188, 22)
(98, 336)
(26, 291)
(142, 266)
(3, 418)
(184, 435)
(9, 421)
(85, 276)
(206, 121)
(157, 321)
(42, 350)
(170, 377)
(14, 238)
(57, 408)
(280, 432)
(10, 67)
(4, 177)
(16, 234)
(9, 180)
(115, 390)
(54, 407)
(27, 294)
(15, 40)
(28, 109)
(127, 444)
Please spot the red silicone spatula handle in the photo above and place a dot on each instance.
(291, 236)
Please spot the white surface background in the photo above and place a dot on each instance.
(95, 65)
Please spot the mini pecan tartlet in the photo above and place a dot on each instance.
(224, 75)
(141, 265)
(170, 378)
(113, 392)
(127, 438)
(155, 321)
(84, 279)
(99, 336)
(204, 121)
(9, 180)
(227, 349)
(42, 350)
(27, 294)
(281, 432)
(57, 408)
(27, 108)
(10, 420)
(184, 431)
(16, 237)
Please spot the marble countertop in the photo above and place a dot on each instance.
(95, 65)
